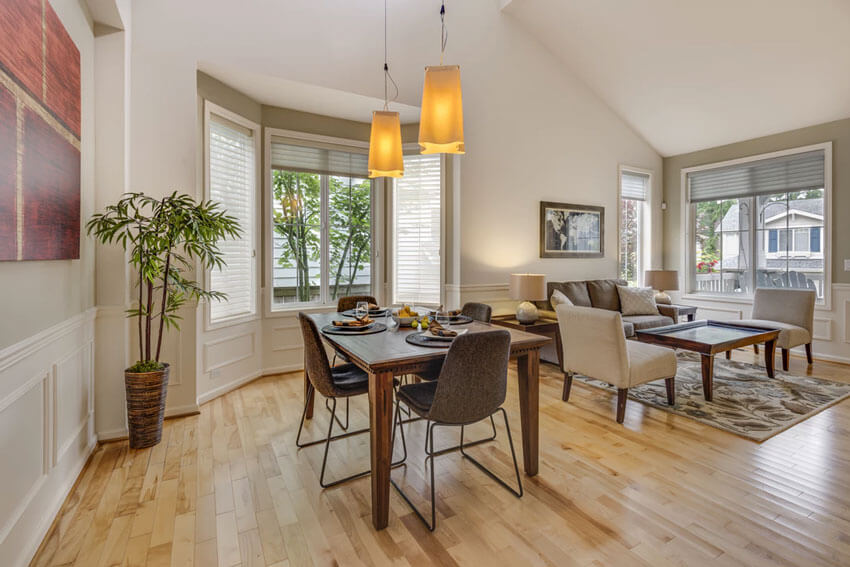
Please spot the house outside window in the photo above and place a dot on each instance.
(767, 229)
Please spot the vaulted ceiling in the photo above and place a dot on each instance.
(689, 75)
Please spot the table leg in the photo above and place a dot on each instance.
(528, 367)
(707, 376)
(380, 418)
(769, 352)
(309, 395)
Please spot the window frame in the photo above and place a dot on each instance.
(688, 221)
(210, 108)
(377, 230)
(644, 235)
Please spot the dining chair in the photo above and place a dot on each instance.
(471, 387)
(478, 311)
(333, 382)
(347, 302)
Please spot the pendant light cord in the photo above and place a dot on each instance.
(444, 33)
(387, 77)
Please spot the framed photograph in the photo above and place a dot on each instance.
(571, 231)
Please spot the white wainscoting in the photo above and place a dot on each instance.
(46, 429)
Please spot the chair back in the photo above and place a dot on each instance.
(350, 302)
(478, 311)
(594, 343)
(473, 380)
(792, 306)
(316, 362)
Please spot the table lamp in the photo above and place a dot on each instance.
(528, 288)
(662, 280)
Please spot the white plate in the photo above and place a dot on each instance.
(426, 334)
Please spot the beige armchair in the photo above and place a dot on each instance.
(792, 311)
(595, 346)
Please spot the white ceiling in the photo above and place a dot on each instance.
(689, 75)
(276, 91)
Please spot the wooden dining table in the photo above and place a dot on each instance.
(387, 354)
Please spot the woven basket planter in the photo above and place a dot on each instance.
(146, 406)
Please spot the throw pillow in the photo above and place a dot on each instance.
(637, 300)
(559, 298)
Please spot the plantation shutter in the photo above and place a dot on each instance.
(417, 230)
(232, 173)
(323, 158)
(796, 172)
(634, 186)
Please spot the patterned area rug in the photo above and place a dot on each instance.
(746, 402)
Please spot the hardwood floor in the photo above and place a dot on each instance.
(228, 487)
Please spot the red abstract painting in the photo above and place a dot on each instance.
(40, 125)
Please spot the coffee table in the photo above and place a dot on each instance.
(709, 338)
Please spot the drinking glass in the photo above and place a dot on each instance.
(362, 310)
(443, 318)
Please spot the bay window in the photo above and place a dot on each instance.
(321, 222)
(760, 223)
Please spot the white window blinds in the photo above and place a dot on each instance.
(634, 186)
(416, 239)
(796, 172)
(318, 157)
(232, 172)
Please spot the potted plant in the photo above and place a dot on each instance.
(166, 238)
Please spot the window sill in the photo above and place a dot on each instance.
(282, 312)
(745, 300)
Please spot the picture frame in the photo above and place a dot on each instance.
(571, 231)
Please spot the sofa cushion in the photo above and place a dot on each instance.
(647, 321)
(558, 298)
(603, 294)
(789, 335)
(637, 300)
(628, 329)
(575, 292)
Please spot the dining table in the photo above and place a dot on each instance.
(387, 354)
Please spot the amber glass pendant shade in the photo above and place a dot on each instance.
(441, 118)
(385, 156)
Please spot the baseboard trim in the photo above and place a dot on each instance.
(239, 382)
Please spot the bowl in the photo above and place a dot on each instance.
(408, 321)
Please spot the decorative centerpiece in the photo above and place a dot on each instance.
(166, 238)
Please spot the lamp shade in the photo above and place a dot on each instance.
(385, 157)
(528, 287)
(441, 117)
(662, 280)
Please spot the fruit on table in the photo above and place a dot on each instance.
(406, 311)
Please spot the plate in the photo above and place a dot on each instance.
(426, 334)
(372, 312)
(352, 328)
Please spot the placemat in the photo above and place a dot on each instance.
(375, 328)
(418, 340)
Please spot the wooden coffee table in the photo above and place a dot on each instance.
(709, 338)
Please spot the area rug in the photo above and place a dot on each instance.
(746, 402)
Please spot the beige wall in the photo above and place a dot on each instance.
(837, 132)
(37, 295)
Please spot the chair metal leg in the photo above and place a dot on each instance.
(518, 493)
(470, 444)
(299, 444)
(325, 458)
(328, 407)
(430, 463)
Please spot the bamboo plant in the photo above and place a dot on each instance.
(166, 238)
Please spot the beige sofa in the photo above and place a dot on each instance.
(602, 294)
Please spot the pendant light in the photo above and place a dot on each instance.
(385, 156)
(441, 119)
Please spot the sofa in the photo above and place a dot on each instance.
(602, 294)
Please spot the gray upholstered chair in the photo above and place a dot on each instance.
(471, 387)
(478, 311)
(350, 301)
(333, 382)
(595, 346)
(792, 311)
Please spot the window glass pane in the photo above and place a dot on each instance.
(797, 259)
(296, 222)
(232, 168)
(711, 219)
(350, 236)
(630, 240)
(735, 262)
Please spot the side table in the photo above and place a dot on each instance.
(545, 327)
